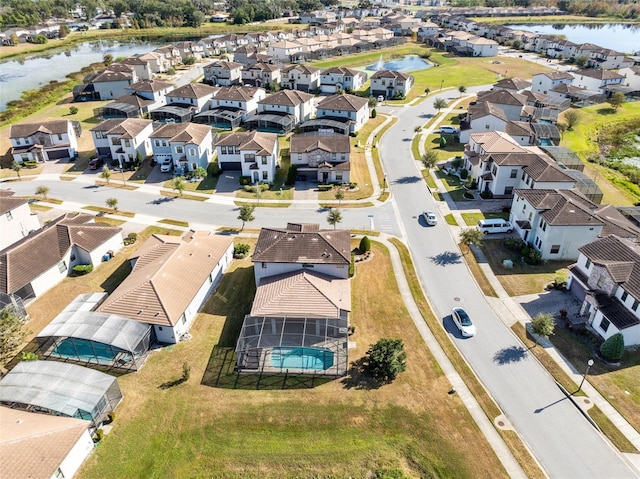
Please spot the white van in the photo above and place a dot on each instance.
(449, 130)
(495, 225)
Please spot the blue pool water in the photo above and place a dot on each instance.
(545, 142)
(83, 350)
(409, 63)
(301, 358)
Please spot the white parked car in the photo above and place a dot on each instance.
(463, 322)
(449, 130)
(380, 98)
(166, 166)
(430, 218)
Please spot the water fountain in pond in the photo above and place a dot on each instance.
(379, 64)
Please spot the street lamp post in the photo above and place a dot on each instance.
(384, 184)
(124, 182)
(589, 364)
(441, 83)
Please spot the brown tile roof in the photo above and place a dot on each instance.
(224, 65)
(617, 224)
(109, 76)
(542, 170)
(182, 132)
(496, 142)
(150, 85)
(287, 97)
(34, 445)
(341, 71)
(502, 97)
(343, 102)
(620, 257)
(8, 203)
(36, 253)
(512, 159)
(483, 108)
(513, 84)
(390, 74)
(519, 128)
(570, 213)
(23, 130)
(168, 273)
(107, 125)
(599, 74)
(236, 93)
(263, 143)
(302, 294)
(133, 99)
(192, 90)
(556, 75)
(300, 245)
(331, 144)
(129, 127)
(305, 69)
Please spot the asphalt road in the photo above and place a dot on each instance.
(562, 440)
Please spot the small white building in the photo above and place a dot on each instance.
(16, 220)
(187, 145)
(195, 261)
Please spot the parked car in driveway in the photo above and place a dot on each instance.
(166, 166)
(96, 163)
(463, 322)
(430, 218)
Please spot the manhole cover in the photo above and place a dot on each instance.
(586, 401)
(500, 423)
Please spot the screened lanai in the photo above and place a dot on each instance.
(220, 118)
(271, 122)
(341, 127)
(85, 336)
(301, 346)
(565, 157)
(60, 389)
(586, 186)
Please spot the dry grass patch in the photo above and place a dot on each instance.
(476, 271)
(35, 208)
(339, 428)
(522, 278)
(103, 220)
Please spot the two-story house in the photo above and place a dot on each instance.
(321, 158)
(140, 65)
(184, 102)
(606, 277)
(284, 50)
(300, 77)
(187, 145)
(514, 84)
(596, 79)
(390, 84)
(223, 73)
(44, 141)
(282, 111)
(543, 82)
(345, 108)
(231, 106)
(113, 82)
(254, 153)
(16, 220)
(509, 102)
(123, 140)
(261, 75)
(482, 117)
(336, 79)
(302, 247)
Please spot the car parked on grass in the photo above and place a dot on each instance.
(430, 218)
(448, 130)
(96, 163)
(463, 322)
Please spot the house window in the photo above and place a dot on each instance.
(343, 156)
(9, 215)
(223, 150)
(59, 136)
(127, 143)
(183, 319)
(115, 141)
(299, 156)
(624, 296)
(555, 249)
(514, 173)
(179, 149)
(634, 306)
(58, 474)
(157, 142)
(164, 142)
(250, 158)
(18, 141)
(338, 176)
(62, 266)
(307, 265)
(604, 325)
(192, 152)
(264, 160)
(600, 282)
(265, 175)
(588, 263)
(334, 156)
(73, 257)
(544, 226)
(508, 190)
(264, 265)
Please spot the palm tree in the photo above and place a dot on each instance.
(462, 89)
(178, 184)
(471, 236)
(429, 159)
(15, 166)
(106, 174)
(439, 104)
(334, 217)
(246, 214)
(42, 190)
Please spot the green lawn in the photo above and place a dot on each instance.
(471, 219)
(451, 150)
(220, 425)
(453, 185)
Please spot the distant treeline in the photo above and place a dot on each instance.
(627, 9)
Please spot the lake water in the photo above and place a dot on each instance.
(409, 63)
(620, 37)
(34, 72)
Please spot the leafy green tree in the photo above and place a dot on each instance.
(373, 102)
(64, 31)
(73, 110)
(190, 60)
(374, 113)
(40, 39)
(439, 104)
(429, 159)
(113, 204)
(339, 195)
(616, 100)
(42, 190)
(246, 214)
(106, 174)
(178, 184)
(257, 190)
(427, 91)
(613, 348)
(572, 117)
(334, 217)
(12, 333)
(107, 59)
(15, 166)
(581, 61)
(462, 89)
(471, 236)
(543, 325)
(386, 359)
(200, 172)
(365, 245)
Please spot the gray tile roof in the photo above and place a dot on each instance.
(343, 102)
(287, 98)
(332, 144)
(23, 130)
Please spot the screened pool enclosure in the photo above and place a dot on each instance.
(60, 389)
(301, 346)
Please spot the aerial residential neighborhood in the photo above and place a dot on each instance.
(328, 242)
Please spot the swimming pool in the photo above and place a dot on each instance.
(301, 358)
(84, 350)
